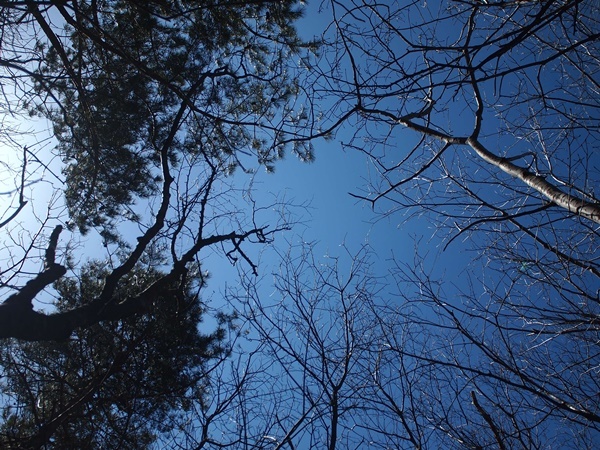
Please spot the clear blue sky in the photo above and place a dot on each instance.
(332, 216)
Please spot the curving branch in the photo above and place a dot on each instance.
(19, 320)
(567, 201)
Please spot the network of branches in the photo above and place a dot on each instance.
(128, 126)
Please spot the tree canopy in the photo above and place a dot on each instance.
(480, 117)
(151, 104)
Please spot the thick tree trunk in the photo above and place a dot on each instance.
(21, 322)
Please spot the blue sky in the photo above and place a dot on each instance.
(329, 215)
(333, 216)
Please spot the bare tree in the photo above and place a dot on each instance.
(482, 113)
(312, 333)
(345, 358)
(330, 376)
(464, 77)
(513, 373)
(481, 116)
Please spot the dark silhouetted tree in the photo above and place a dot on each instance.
(151, 107)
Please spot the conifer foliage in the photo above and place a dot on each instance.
(152, 105)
